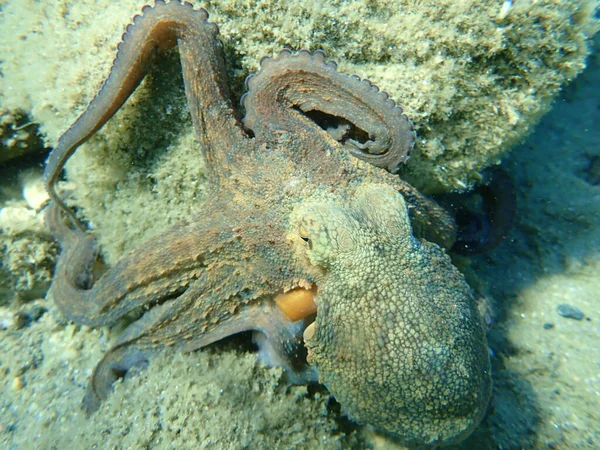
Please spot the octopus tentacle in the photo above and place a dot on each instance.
(307, 83)
(430, 221)
(147, 332)
(146, 276)
(158, 27)
(169, 325)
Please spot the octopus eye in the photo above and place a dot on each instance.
(304, 236)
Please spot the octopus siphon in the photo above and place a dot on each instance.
(308, 238)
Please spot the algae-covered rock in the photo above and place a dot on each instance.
(223, 399)
(27, 251)
(474, 76)
(18, 136)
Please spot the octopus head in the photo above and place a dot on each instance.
(397, 337)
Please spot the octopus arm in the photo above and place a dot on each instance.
(293, 90)
(158, 28)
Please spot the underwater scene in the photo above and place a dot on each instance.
(299, 224)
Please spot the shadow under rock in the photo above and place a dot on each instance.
(556, 221)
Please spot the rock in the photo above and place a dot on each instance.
(570, 312)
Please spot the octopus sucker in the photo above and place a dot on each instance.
(309, 332)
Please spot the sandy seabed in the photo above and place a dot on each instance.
(546, 366)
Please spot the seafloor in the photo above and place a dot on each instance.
(546, 365)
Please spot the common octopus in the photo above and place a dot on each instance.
(307, 237)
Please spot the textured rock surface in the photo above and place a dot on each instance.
(473, 84)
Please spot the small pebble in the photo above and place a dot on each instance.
(548, 326)
(570, 312)
(33, 189)
(7, 319)
(17, 383)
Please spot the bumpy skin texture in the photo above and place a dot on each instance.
(306, 198)
(397, 339)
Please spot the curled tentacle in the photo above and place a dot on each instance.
(353, 111)
(158, 27)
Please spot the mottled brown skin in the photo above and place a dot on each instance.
(397, 338)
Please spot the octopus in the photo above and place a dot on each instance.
(308, 237)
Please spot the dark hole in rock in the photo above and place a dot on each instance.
(337, 127)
